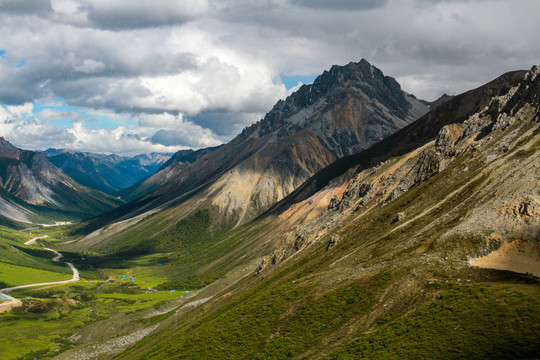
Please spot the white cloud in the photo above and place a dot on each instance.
(177, 131)
(19, 126)
(51, 114)
(89, 66)
(202, 70)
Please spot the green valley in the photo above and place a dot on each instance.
(422, 245)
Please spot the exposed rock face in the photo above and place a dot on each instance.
(354, 191)
(345, 95)
(426, 166)
(334, 240)
(345, 110)
(519, 103)
(8, 150)
(448, 137)
(30, 177)
(455, 111)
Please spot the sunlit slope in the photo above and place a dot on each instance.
(346, 109)
(378, 263)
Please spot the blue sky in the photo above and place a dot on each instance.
(69, 114)
(291, 81)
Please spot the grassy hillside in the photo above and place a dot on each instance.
(465, 321)
(49, 315)
(384, 262)
(21, 264)
(384, 272)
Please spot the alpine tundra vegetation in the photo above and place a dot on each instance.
(423, 245)
(287, 179)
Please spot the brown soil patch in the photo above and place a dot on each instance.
(518, 256)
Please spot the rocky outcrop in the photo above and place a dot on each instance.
(519, 103)
(334, 240)
(355, 190)
(447, 139)
(525, 207)
(426, 166)
(400, 216)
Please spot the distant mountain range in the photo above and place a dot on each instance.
(178, 161)
(34, 189)
(107, 173)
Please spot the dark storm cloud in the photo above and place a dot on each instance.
(224, 123)
(168, 138)
(129, 14)
(340, 4)
(185, 138)
(26, 7)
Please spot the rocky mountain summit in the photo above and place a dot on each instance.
(361, 91)
(345, 110)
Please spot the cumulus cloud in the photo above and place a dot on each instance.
(20, 126)
(105, 14)
(192, 73)
(174, 130)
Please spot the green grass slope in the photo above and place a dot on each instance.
(381, 276)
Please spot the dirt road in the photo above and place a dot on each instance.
(14, 302)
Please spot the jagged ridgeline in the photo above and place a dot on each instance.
(346, 109)
(430, 252)
(422, 245)
(107, 173)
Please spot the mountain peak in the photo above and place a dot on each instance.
(361, 78)
(347, 109)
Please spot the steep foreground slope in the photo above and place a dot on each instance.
(31, 186)
(414, 257)
(107, 173)
(345, 110)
